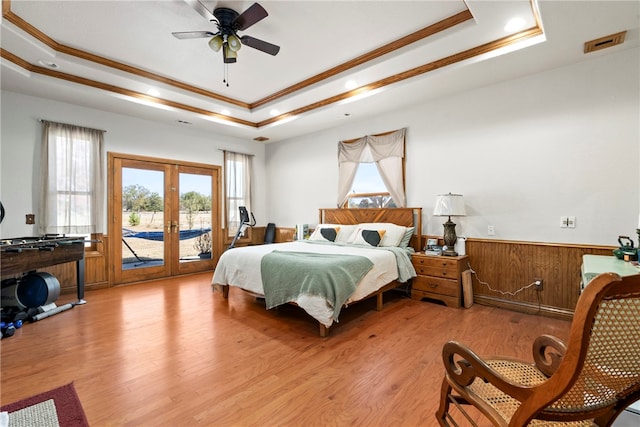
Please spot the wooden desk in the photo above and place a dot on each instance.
(592, 265)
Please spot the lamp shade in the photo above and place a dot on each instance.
(215, 43)
(234, 43)
(449, 205)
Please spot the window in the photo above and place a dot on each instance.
(371, 171)
(369, 190)
(72, 189)
(237, 188)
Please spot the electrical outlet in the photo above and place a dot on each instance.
(538, 283)
(491, 231)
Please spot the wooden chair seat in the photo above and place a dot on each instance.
(517, 372)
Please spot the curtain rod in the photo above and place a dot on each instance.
(251, 155)
(68, 124)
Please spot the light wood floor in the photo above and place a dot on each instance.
(173, 353)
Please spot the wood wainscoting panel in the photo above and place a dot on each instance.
(96, 265)
(96, 274)
(502, 268)
(285, 234)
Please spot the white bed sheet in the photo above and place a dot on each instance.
(240, 267)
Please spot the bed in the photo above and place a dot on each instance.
(352, 255)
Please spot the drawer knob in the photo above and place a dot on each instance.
(433, 285)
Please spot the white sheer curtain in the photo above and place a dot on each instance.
(72, 180)
(238, 187)
(386, 151)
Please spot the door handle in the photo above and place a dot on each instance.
(174, 224)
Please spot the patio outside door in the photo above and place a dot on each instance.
(164, 217)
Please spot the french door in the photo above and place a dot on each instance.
(164, 217)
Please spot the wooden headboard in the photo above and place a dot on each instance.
(406, 217)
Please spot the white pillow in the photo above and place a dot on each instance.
(393, 233)
(343, 232)
(325, 233)
(366, 236)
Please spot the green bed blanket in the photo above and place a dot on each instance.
(287, 275)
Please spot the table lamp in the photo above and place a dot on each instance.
(449, 205)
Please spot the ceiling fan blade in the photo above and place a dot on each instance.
(249, 17)
(261, 45)
(193, 34)
(199, 7)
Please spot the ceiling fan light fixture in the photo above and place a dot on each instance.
(234, 43)
(216, 43)
(229, 53)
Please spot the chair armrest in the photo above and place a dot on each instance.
(463, 366)
(548, 352)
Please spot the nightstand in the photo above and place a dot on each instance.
(439, 278)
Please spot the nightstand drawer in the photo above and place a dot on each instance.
(436, 285)
(446, 272)
(435, 262)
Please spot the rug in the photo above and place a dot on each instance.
(57, 407)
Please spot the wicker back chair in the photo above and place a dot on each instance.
(586, 382)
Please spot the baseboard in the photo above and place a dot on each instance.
(87, 287)
(524, 307)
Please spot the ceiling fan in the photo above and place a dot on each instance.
(229, 22)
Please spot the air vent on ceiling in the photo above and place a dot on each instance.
(604, 42)
(261, 138)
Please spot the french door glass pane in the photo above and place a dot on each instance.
(195, 216)
(142, 218)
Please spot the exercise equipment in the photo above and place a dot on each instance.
(31, 297)
(32, 290)
(244, 224)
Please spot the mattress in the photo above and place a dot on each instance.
(240, 267)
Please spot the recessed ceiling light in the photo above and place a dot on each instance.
(274, 112)
(47, 64)
(153, 92)
(351, 84)
(225, 112)
(514, 25)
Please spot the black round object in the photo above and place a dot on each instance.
(32, 290)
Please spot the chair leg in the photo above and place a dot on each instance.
(443, 410)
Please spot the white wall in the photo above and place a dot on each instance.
(523, 153)
(21, 135)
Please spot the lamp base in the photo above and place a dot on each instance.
(449, 252)
(449, 238)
